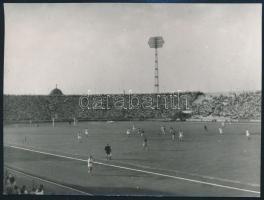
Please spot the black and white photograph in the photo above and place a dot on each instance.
(132, 99)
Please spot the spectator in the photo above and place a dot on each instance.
(33, 190)
(9, 188)
(16, 190)
(12, 182)
(24, 190)
(40, 190)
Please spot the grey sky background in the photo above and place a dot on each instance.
(103, 47)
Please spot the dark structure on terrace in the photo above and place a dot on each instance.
(56, 92)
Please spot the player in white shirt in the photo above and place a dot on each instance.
(142, 132)
(220, 131)
(128, 132)
(86, 132)
(247, 134)
(90, 164)
(180, 135)
(162, 128)
(133, 128)
(79, 137)
(223, 124)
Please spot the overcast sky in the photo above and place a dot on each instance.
(103, 47)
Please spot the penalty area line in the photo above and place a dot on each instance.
(47, 181)
(139, 170)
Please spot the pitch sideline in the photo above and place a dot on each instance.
(153, 168)
(138, 170)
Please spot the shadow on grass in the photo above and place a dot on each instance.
(123, 191)
(163, 150)
(118, 175)
(130, 159)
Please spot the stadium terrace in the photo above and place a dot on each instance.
(120, 107)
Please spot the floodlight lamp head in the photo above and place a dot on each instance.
(156, 42)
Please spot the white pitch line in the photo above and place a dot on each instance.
(180, 178)
(51, 182)
(168, 170)
(192, 174)
(139, 170)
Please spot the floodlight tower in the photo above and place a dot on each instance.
(156, 42)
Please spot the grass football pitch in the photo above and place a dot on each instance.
(205, 163)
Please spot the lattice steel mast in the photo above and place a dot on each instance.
(156, 42)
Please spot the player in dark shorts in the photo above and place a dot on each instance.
(108, 151)
(145, 143)
(138, 131)
(173, 134)
(142, 133)
(90, 164)
(205, 128)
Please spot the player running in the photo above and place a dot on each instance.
(108, 151)
(139, 131)
(220, 131)
(86, 132)
(180, 135)
(205, 128)
(248, 134)
(172, 132)
(90, 164)
(145, 144)
(133, 128)
(142, 133)
(162, 128)
(79, 137)
(128, 132)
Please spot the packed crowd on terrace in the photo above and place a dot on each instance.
(243, 105)
(11, 187)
